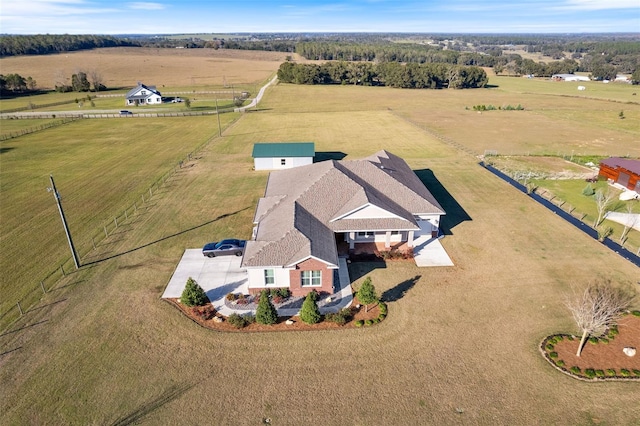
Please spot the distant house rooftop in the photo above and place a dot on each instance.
(625, 163)
(284, 149)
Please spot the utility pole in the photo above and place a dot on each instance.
(56, 195)
(218, 115)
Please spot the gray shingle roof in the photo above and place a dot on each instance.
(304, 206)
(131, 94)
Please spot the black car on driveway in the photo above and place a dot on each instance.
(224, 248)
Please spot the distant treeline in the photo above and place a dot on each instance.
(391, 74)
(11, 45)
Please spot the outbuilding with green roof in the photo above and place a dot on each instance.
(282, 155)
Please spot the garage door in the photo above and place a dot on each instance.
(623, 179)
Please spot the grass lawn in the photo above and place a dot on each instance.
(459, 345)
(99, 169)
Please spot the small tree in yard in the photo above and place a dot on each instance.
(193, 294)
(367, 293)
(266, 312)
(310, 312)
(598, 307)
(603, 201)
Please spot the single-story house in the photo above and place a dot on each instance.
(623, 171)
(143, 95)
(285, 155)
(569, 77)
(308, 211)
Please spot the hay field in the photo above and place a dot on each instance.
(458, 347)
(168, 69)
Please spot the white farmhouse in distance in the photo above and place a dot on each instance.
(143, 95)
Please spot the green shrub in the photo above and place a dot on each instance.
(559, 338)
(230, 297)
(368, 322)
(571, 338)
(249, 318)
(635, 313)
(383, 308)
(636, 372)
(553, 355)
(236, 320)
(588, 190)
(590, 373)
(624, 372)
(340, 317)
(613, 333)
(310, 312)
(283, 292)
(575, 370)
(560, 363)
(367, 292)
(549, 347)
(193, 294)
(381, 317)
(266, 313)
(600, 373)
(359, 323)
(593, 340)
(604, 340)
(610, 372)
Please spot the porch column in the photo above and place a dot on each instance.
(410, 239)
(352, 240)
(387, 240)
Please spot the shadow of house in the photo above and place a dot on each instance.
(398, 292)
(358, 270)
(328, 155)
(455, 213)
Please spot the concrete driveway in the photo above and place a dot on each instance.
(216, 275)
(427, 251)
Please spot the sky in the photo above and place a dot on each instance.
(215, 16)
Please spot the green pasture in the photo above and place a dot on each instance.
(460, 344)
(570, 191)
(101, 167)
(13, 126)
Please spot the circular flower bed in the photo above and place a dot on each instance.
(601, 358)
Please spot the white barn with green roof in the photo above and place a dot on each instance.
(283, 155)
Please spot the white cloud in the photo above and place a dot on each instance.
(145, 6)
(599, 4)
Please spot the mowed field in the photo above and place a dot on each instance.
(459, 345)
(168, 69)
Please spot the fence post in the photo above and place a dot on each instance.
(93, 240)
(62, 270)
(44, 291)
(142, 198)
(20, 309)
(150, 193)
(115, 220)
(125, 215)
(106, 234)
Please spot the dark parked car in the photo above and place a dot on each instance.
(224, 248)
(125, 112)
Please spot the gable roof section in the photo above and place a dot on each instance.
(304, 206)
(616, 162)
(284, 149)
(135, 92)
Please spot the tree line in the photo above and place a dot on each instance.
(11, 45)
(15, 83)
(391, 74)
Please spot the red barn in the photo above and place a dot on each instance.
(622, 171)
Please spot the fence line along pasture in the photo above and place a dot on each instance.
(22, 132)
(65, 267)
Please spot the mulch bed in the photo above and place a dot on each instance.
(206, 319)
(599, 356)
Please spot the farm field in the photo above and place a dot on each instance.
(459, 345)
(168, 69)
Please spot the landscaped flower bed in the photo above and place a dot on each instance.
(601, 358)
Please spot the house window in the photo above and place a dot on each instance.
(283, 161)
(269, 277)
(143, 93)
(311, 278)
(367, 234)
